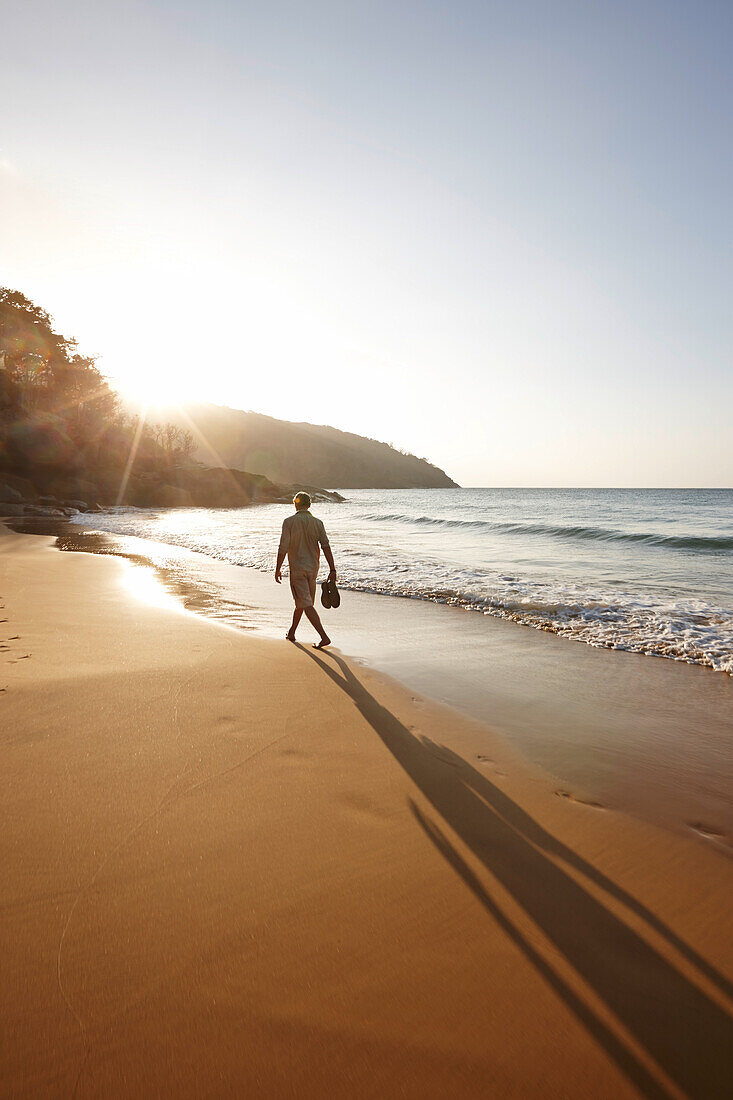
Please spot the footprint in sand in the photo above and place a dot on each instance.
(580, 801)
(708, 831)
(446, 760)
(295, 754)
(492, 764)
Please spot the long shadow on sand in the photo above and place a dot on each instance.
(684, 1031)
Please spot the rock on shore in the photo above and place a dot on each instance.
(192, 486)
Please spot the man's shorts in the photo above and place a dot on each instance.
(303, 587)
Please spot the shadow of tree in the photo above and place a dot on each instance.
(687, 1034)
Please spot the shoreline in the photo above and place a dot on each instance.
(234, 861)
(643, 584)
(650, 738)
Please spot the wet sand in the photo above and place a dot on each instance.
(644, 735)
(233, 866)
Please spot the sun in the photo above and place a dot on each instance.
(146, 391)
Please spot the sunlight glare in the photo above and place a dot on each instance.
(145, 586)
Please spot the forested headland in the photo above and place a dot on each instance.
(287, 451)
(68, 441)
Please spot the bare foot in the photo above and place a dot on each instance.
(322, 644)
(289, 637)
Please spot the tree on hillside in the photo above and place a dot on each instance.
(43, 374)
(27, 340)
(176, 443)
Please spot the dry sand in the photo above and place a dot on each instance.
(232, 866)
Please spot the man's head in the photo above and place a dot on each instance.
(302, 502)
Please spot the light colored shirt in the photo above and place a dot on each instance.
(302, 536)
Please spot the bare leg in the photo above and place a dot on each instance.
(315, 619)
(297, 616)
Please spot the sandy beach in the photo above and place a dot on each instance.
(232, 866)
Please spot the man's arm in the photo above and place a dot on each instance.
(328, 555)
(282, 551)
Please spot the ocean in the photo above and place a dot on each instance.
(649, 571)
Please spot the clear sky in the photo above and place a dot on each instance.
(496, 234)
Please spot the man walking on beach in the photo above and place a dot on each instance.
(301, 537)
